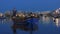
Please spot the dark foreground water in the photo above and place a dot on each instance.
(46, 25)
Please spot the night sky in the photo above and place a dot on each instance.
(33, 5)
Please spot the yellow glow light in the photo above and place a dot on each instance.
(1, 14)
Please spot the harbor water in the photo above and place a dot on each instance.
(46, 25)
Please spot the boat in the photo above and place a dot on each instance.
(25, 23)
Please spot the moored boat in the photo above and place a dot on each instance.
(25, 23)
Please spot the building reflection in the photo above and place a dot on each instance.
(45, 20)
(57, 21)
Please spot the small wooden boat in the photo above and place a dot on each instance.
(24, 23)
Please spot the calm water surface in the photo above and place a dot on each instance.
(46, 25)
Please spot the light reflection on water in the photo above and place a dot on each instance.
(46, 25)
(57, 22)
